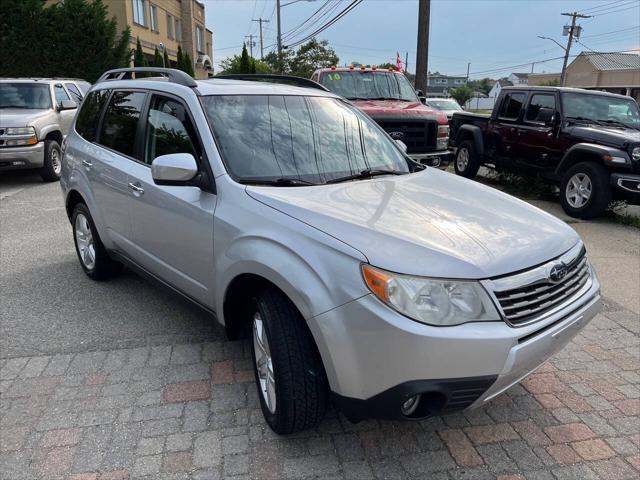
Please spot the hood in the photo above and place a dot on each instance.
(430, 223)
(397, 108)
(614, 136)
(20, 117)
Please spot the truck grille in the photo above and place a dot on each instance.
(418, 135)
(529, 302)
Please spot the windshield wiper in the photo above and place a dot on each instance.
(366, 173)
(621, 124)
(278, 182)
(581, 119)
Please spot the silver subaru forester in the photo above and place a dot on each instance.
(391, 289)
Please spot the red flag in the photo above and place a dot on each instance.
(398, 62)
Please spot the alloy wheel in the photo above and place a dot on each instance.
(578, 191)
(55, 161)
(462, 159)
(84, 240)
(264, 363)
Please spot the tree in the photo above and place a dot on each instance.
(312, 55)
(245, 63)
(461, 94)
(138, 57)
(188, 65)
(179, 59)
(483, 85)
(74, 38)
(165, 56)
(232, 65)
(157, 58)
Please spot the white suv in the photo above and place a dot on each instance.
(398, 290)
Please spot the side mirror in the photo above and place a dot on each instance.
(420, 93)
(402, 145)
(176, 169)
(547, 116)
(67, 105)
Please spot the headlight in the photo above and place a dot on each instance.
(443, 137)
(635, 154)
(20, 131)
(431, 301)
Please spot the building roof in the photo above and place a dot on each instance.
(612, 61)
(521, 75)
(504, 82)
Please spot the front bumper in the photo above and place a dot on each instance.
(626, 187)
(14, 158)
(432, 159)
(376, 359)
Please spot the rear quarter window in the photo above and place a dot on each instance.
(512, 105)
(89, 115)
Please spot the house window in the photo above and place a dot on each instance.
(169, 26)
(139, 16)
(459, 81)
(153, 17)
(178, 30)
(199, 40)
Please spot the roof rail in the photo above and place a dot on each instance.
(266, 77)
(173, 75)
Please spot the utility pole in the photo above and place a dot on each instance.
(251, 44)
(573, 16)
(279, 33)
(406, 61)
(468, 67)
(422, 53)
(261, 21)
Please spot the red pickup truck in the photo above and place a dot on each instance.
(388, 98)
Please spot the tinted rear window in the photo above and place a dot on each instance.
(511, 105)
(121, 121)
(87, 121)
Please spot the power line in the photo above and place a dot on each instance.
(328, 24)
(617, 11)
(607, 6)
(598, 7)
(612, 32)
(297, 29)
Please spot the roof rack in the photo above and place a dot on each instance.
(172, 75)
(265, 77)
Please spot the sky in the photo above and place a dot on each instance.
(496, 37)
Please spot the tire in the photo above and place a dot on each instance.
(585, 191)
(94, 259)
(52, 168)
(299, 386)
(467, 162)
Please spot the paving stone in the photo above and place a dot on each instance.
(491, 433)
(89, 362)
(461, 448)
(147, 465)
(317, 466)
(427, 462)
(614, 469)
(150, 446)
(188, 353)
(187, 391)
(12, 368)
(34, 367)
(496, 458)
(160, 355)
(522, 454)
(207, 450)
(236, 465)
(569, 433)
(154, 428)
(176, 462)
(196, 417)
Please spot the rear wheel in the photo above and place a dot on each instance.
(50, 171)
(94, 259)
(585, 191)
(289, 374)
(467, 162)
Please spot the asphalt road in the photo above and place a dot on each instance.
(48, 305)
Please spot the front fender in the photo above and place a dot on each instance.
(315, 279)
(47, 129)
(609, 156)
(476, 134)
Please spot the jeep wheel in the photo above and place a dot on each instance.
(467, 162)
(94, 259)
(50, 171)
(585, 191)
(289, 373)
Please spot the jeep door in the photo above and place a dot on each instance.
(539, 145)
(504, 134)
(172, 225)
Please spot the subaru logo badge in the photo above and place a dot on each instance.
(558, 272)
(396, 135)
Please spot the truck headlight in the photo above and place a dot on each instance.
(429, 300)
(442, 141)
(20, 131)
(635, 154)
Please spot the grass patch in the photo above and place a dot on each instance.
(527, 188)
(614, 213)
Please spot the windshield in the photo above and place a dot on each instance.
(312, 139)
(444, 104)
(24, 95)
(601, 109)
(368, 85)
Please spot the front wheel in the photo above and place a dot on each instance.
(289, 374)
(467, 162)
(50, 171)
(585, 191)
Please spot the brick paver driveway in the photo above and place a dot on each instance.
(173, 409)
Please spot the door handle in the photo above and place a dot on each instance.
(87, 163)
(136, 188)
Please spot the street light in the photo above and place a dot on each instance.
(554, 41)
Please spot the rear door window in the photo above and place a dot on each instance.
(120, 122)
(539, 103)
(89, 115)
(512, 105)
